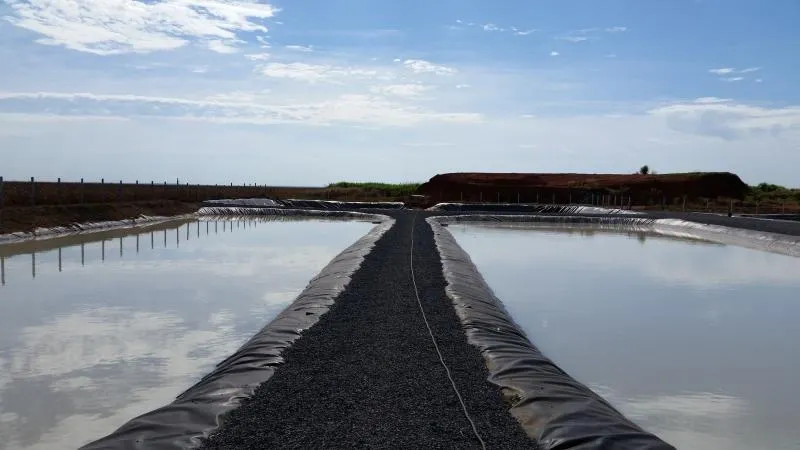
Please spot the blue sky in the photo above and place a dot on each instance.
(305, 93)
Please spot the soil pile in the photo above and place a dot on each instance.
(578, 187)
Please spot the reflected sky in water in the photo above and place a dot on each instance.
(86, 348)
(694, 341)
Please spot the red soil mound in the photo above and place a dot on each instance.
(577, 187)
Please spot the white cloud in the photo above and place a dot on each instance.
(258, 56)
(354, 109)
(759, 80)
(722, 71)
(733, 71)
(492, 27)
(401, 90)
(710, 100)
(587, 34)
(726, 119)
(554, 53)
(422, 66)
(313, 72)
(463, 86)
(219, 46)
(574, 39)
(262, 40)
(300, 48)
(107, 27)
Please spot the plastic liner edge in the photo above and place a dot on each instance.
(197, 412)
(757, 240)
(555, 410)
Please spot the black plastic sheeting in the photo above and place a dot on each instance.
(335, 205)
(277, 212)
(528, 208)
(758, 240)
(197, 412)
(244, 202)
(86, 228)
(794, 217)
(555, 410)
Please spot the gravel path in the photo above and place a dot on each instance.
(367, 375)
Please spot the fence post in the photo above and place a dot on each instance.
(684, 203)
(33, 192)
(82, 194)
(554, 198)
(58, 191)
(119, 191)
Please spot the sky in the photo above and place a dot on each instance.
(304, 93)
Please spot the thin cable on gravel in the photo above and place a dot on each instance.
(368, 374)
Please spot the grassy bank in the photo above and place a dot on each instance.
(374, 189)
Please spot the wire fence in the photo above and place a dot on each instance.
(44, 193)
(40, 193)
(618, 200)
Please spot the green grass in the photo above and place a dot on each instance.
(384, 189)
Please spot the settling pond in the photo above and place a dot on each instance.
(696, 342)
(100, 331)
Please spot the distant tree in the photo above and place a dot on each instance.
(644, 170)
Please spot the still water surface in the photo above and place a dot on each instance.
(93, 335)
(696, 342)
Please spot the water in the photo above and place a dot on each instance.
(89, 347)
(696, 342)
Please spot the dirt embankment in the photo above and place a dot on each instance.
(25, 206)
(575, 187)
(28, 218)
